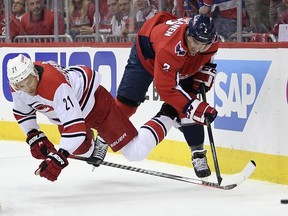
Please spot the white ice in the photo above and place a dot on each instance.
(114, 192)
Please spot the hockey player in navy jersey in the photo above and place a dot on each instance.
(73, 99)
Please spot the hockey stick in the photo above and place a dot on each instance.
(237, 178)
(212, 145)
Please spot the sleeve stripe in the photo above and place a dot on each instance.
(68, 135)
(23, 114)
(74, 121)
(26, 119)
(161, 125)
(153, 133)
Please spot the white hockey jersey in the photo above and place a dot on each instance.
(64, 95)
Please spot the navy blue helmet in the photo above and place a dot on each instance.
(201, 28)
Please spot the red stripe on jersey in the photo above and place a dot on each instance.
(17, 117)
(74, 128)
(157, 128)
(24, 117)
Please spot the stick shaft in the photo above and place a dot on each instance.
(211, 140)
(156, 173)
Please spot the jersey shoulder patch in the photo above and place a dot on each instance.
(179, 50)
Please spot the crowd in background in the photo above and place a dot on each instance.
(121, 18)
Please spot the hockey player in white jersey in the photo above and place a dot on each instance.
(73, 99)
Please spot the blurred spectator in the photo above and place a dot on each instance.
(128, 17)
(105, 16)
(186, 7)
(262, 16)
(14, 27)
(205, 5)
(144, 11)
(39, 20)
(114, 10)
(180, 7)
(258, 12)
(276, 8)
(169, 6)
(250, 9)
(104, 19)
(18, 8)
(224, 13)
(283, 19)
(190, 8)
(125, 7)
(81, 17)
(177, 7)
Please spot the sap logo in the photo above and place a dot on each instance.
(237, 86)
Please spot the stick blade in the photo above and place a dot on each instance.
(236, 179)
(239, 178)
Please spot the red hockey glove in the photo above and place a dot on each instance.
(201, 112)
(53, 165)
(40, 146)
(206, 75)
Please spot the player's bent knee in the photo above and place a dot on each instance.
(133, 155)
(134, 151)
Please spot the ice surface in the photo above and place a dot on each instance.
(114, 192)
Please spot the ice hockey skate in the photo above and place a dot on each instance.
(100, 150)
(200, 164)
